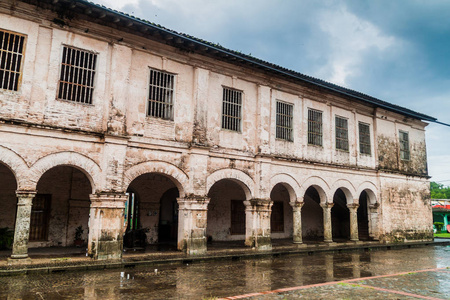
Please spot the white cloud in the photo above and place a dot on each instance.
(116, 4)
(349, 37)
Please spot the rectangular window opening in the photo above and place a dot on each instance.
(231, 109)
(364, 138)
(404, 145)
(315, 130)
(284, 117)
(341, 133)
(12, 48)
(76, 80)
(161, 94)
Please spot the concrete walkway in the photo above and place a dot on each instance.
(57, 259)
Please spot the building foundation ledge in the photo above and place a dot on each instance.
(19, 260)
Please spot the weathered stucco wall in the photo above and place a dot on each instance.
(112, 141)
(388, 145)
(406, 209)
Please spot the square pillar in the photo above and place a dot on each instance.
(22, 227)
(192, 220)
(257, 223)
(106, 225)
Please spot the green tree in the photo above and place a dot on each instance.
(439, 191)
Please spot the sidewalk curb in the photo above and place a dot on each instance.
(130, 263)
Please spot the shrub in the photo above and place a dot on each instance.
(438, 225)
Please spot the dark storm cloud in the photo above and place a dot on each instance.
(398, 51)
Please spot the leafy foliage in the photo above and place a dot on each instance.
(439, 191)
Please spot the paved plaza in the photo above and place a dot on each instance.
(423, 284)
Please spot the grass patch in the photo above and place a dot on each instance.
(442, 235)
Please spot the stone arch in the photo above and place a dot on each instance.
(348, 189)
(371, 190)
(181, 180)
(16, 164)
(320, 185)
(73, 159)
(289, 183)
(244, 180)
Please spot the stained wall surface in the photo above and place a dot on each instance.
(113, 141)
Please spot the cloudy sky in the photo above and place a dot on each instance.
(397, 51)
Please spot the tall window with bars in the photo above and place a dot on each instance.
(404, 145)
(231, 109)
(12, 47)
(364, 138)
(315, 130)
(284, 126)
(341, 133)
(160, 97)
(76, 81)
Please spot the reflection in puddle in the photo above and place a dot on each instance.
(222, 278)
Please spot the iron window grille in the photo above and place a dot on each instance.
(364, 138)
(315, 130)
(341, 133)
(12, 47)
(160, 96)
(232, 109)
(76, 82)
(284, 126)
(404, 145)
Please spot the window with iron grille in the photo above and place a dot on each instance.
(341, 133)
(160, 98)
(284, 121)
(364, 138)
(231, 109)
(12, 47)
(404, 145)
(76, 82)
(315, 131)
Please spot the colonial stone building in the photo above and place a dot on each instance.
(111, 125)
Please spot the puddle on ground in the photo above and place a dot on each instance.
(222, 278)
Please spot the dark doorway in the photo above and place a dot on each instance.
(135, 236)
(312, 216)
(363, 217)
(340, 216)
(237, 217)
(168, 217)
(277, 217)
(40, 215)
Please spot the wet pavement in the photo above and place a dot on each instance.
(345, 275)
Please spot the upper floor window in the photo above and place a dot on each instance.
(284, 125)
(12, 47)
(341, 133)
(160, 96)
(364, 138)
(315, 131)
(76, 81)
(231, 109)
(404, 145)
